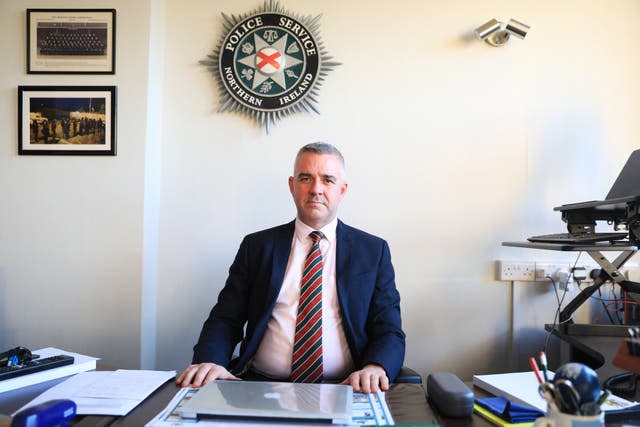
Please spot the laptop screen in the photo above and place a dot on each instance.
(628, 182)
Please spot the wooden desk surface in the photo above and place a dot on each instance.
(407, 402)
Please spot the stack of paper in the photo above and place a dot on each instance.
(106, 392)
(81, 363)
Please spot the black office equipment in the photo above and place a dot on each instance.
(16, 356)
(621, 207)
(578, 238)
(449, 394)
(37, 365)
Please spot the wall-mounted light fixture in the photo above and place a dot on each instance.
(497, 33)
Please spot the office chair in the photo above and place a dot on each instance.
(408, 376)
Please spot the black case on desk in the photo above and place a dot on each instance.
(449, 394)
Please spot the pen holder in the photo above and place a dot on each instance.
(561, 419)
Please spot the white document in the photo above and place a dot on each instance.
(522, 387)
(81, 363)
(106, 392)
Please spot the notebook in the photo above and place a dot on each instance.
(272, 401)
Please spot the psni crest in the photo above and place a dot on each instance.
(269, 64)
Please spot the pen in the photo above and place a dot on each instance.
(543, 362)
(603, 397)
(534, 366)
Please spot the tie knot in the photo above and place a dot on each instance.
(316, 236)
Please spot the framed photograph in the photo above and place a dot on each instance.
(71, 41)
(67, 120)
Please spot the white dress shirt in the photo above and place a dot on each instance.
(273, 357)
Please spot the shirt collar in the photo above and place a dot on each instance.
(302, 230)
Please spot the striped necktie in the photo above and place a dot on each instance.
(306, 363)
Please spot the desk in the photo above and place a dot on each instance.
(407, 403)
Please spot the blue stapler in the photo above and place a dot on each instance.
(52, 413)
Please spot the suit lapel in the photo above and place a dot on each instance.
(343, 257)
(281, 252)
(344, 251)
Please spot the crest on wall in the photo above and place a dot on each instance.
(270, 63)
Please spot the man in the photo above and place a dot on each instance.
(362, 342)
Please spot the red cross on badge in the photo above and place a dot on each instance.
(269, 60)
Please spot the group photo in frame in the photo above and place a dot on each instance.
(69, 120)
(71, 41)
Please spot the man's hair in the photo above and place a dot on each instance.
(321, 148)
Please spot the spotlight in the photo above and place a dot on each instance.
(497, 33)
(488, 28)
(517, 28)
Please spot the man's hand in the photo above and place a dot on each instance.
(200, 374)
(368, 380)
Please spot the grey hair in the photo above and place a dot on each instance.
(321, 148)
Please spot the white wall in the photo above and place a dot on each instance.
(71, 226)
(452, 147)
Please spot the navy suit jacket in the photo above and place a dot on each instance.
(367, 295)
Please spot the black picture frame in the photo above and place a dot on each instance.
(71, 41)
(67, 120)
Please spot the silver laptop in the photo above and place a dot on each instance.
(271, 401)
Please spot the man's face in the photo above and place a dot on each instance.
(317, 187)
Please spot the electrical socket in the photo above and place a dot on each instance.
(580, 273)
(531, 271)
(545, 270)
(517, 270)
(563, 279)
